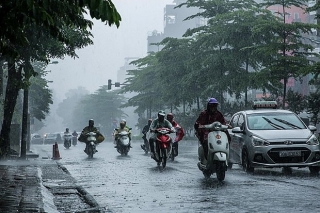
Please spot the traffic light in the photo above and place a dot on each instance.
(117, 84)
(109, 84)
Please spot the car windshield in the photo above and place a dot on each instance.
(272, 121)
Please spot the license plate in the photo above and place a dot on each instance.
(289, 153)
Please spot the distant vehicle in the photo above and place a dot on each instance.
(50, 138)
(269, 137)
(36, 139)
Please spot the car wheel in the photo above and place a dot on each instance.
(246, 164)
(314, 169)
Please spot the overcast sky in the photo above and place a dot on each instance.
(99, 62)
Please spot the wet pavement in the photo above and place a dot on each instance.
(41, 185)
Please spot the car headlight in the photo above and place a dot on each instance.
(256, 141)
(313, 140)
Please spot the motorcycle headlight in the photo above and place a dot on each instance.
(256, 141)
(313, 140)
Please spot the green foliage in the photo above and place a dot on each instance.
(296, 102)
(313, 107)
(103, 107)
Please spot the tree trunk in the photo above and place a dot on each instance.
(12, 90)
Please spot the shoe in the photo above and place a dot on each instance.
(152, 155)
(115, 146)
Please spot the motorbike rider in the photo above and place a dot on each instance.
(123, 127)
(208, 116)
(67, 131)
(179, 131)
(87, 129)
(144, 132)
(159, 122)
(75, 134)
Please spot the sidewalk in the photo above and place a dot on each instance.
(41, 185)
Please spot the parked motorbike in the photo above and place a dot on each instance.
(91, 144)
(123, 142)
(74, 140)
(163, 146)
(145, 146)
(218, 151)
(67, 140)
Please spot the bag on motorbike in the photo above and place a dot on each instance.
(100, 138)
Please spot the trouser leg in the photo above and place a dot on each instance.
(205, 148)
(151, 145)
(175, 145)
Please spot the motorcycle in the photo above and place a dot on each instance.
(91, 144)
(163, 146)
(218, 151)
(67, 140)
(123, 142)
(74, 140)
(145, 146)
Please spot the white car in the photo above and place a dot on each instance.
(269, 137)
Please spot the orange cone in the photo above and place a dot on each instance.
(56, 155)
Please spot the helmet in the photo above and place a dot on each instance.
(91, 122)
(161, 113)
(213, 101)
(67, 129)
(170, 116)
(149, 121)
(122, 123)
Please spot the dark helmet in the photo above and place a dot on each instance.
(91, 122)
(67, 129)
(170, 117)
(212, 103)
(149, 121)
(161, 115)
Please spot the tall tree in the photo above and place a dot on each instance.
(288, 51)
(50, 16)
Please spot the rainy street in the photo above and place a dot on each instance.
(133, 183)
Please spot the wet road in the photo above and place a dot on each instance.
(133, 183)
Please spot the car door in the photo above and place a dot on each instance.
(237, 139)
(233, 143)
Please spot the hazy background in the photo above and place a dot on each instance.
(99, 62)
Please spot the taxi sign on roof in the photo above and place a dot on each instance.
(264, 105)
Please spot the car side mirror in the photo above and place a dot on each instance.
(312, 128)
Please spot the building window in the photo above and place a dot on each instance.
(171, 19)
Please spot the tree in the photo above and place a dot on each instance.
(296, 102)
(287, 53)
(67, 107)
(53, 17)
(313, 107)
(102, 106)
